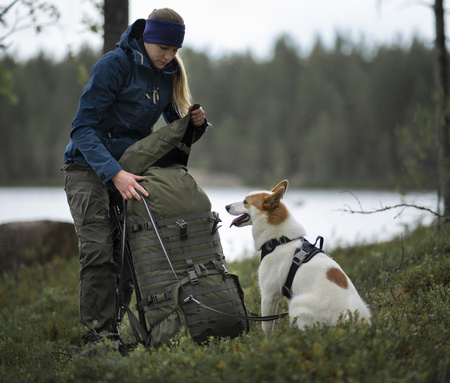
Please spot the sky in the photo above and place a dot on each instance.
(219, 27)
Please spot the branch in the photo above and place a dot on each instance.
(416, 2)
(7, 8)
(401, 205)
(404, 205)
(29, 16)
(38, 28)
(407, 4)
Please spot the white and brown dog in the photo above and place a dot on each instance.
(320, 291)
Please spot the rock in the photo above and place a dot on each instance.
(25, 243)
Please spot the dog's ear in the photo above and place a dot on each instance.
(283, 184)
(273, 200)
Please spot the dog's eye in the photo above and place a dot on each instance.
(245, 202)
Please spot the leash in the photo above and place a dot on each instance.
(254, 318)
(189, 297)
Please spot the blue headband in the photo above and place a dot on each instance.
(164, 32)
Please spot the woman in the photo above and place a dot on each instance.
(129, 89)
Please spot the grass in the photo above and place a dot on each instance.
(405, 282)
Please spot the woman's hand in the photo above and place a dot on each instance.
(126, 183)
(197, 116)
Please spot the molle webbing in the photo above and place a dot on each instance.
(177, 226)
(193, 244)
(227, 298)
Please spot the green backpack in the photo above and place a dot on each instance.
(182, 277)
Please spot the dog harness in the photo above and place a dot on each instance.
(303, 254)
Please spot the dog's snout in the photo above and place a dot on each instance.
(228, 207)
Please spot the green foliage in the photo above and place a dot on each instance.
(419, 149)
(405, 282)
(39, 331)
(6, 85)
(35, 131)
(327, 119)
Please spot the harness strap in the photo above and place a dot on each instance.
(302, 255)
(270, 246)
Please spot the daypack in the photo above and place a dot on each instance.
(193, 289)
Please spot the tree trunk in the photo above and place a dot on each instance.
(443, 118)
(116, 22)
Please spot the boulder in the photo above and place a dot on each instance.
(25, 243)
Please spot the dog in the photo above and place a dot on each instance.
(320, 290)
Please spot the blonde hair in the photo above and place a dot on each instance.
(181, 95)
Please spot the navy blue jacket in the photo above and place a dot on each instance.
(125, 97)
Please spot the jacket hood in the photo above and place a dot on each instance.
(131, 35)
(129, 42)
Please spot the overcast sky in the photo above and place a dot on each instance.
(220, 27)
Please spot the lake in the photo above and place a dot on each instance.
(319, 211)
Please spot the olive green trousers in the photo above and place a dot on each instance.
(89, 201)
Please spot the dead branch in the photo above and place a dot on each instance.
(386, 208)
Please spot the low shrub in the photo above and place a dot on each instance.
(405, 282)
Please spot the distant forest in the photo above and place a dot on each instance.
(338, 117)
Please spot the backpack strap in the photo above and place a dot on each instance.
(140, 333)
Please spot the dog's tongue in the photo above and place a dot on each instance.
(234, 221)
(237, 221)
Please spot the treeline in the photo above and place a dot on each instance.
(337, 117)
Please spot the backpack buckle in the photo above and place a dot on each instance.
(191, 272)
(183, 228)
(217, 220)
(158, 298)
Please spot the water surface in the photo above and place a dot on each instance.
(319, 211)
